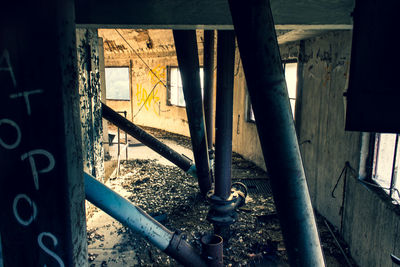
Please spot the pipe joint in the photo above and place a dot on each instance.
(223, 211)
(183, 252)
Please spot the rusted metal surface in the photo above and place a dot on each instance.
(212, 250)
(183, 252)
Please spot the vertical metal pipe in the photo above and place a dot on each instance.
(209, 85)
(119, 148)
(259, 50)
(188, 61)
(224, 120)
(126, 139)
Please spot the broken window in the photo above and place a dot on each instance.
(117, 83)
(386, 161)
(175, 93)
(290, 70)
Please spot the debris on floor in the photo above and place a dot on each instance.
(172, 197)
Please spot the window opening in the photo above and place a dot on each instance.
(176, 96)
(117, 83)
(385, 164)
(290, 71)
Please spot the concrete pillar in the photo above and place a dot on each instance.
(102, 72)
(41, 182)
(90, 101)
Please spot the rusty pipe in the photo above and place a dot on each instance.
(212, 250)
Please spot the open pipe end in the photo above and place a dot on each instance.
(213, 250)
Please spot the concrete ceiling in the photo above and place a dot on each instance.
(294, 20)
(150, 41)
(209, 14)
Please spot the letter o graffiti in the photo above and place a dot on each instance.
(16, 214)
(17, 141)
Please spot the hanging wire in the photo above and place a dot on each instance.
(353, 173)
(155, 75)
(344, 171)
(146, 99)
(141, 58)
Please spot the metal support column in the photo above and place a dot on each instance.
(147, 139)
(224, 201)
(188, 61)
(259, 50)
(209, 85)
(223, 122)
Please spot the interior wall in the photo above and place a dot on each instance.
(369, 223)
(148, 104)
(324, 144)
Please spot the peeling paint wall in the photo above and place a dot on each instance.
(90, 106)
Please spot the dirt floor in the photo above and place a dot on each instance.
(172, 197)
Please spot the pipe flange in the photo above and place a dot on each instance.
(240, 189)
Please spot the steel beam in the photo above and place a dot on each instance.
(148, 140)
(188, 61)
(209, 85)
(259, 50)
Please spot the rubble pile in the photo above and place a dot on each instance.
(172, 197)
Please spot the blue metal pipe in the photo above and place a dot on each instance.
(124, 211)
(139, 221)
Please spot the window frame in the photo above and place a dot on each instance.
(169, 86)
(249, 110)
(129, 83)
(372, 164)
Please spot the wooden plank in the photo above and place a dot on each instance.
(208, 14)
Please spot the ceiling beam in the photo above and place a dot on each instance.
(208, 14)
